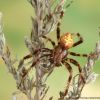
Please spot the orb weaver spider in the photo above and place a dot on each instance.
(59, 55)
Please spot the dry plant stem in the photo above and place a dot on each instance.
(29, 96)
(38, 88)
(46, 20)
(38, 78)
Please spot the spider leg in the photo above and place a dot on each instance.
(35, 52)
(52, 42)
(34, 63)
(30, 55)
(58, 31)
(69, 68)
(41, 50)
(24, 58)
(48, 75)
(80, 40)
(58, 26)
(26, 71)
(27, 56)
(78, 65)
(77, 54)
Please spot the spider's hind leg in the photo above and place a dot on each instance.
(69, 68)
(79, 67)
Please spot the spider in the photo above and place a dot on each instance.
(59, 55)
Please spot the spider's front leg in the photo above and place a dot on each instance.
(28, 57)
(35, 53)
(69, 68)
(58, 25)
(58, 31)
(47, 38)
(79, 41)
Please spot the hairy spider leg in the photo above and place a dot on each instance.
(69, 68)
(79, 41)
(77, 54)
(27, 56)
(47, 38)
(58, 31)
(78, 65)
(58, 26)
(35, 52)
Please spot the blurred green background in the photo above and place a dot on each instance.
(83, 16)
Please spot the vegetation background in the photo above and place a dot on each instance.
(82, 16)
